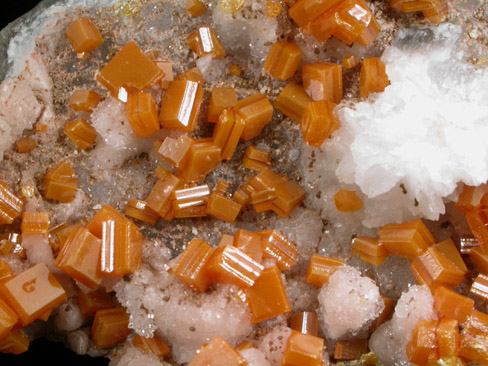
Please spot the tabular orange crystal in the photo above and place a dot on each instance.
(474, 338)
(203, 157)
(243, 195)
(303, 349)
(204, 41)
(110, 327)
(167, 68)
(154, 345)
(323, 81)
(249, 243)
(25, 145)
(220, 99)
(223, 208)
(433, 10)
(16, 342)
(370, 250)
(373, 78)
(256, 159)
(349, 61)
(305, 322)
(80, 133)
(32, 293)
(216, 353)
(273, 9)
(191, 263)
(193, 74)
(244, 345)
(190, 197)
(292, 101)
(318, 122)
(5, 271)
(8, 319)
(347, 201)
(267, 298)
(231, 265)
(384, 315)
(11, 243)
(84, 100)
(321, 268)
(478, 223)
(60, 183)
(479, 288)
(282, 60)
(139, 210)
(180, 105)
(84, 36)
(142, 114)
(257, 113)
(80, 257)
(480, 259)
(452, 305)
(195, 8)
(470, 198)
(436, 11)
(130, 70)
(10, 204)
(350, 350)
(159, 198)
(447, 334)
(278, 247)
(229, 240)
(448, 248)
(34, 223)
(175, 151)
(227, 132)
(91, 302)
(423, 342)
(406, 240)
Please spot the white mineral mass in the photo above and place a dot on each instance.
(254, 357)
(274, 343)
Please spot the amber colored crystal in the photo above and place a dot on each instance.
(256, 159)
(407, 239)
(480, 259)
(227, 132)
(448, 248)
(350, 350)
(8, 318)
(323, 81)
(478, 223)
(180, 105)
(32, 293)
(303, 349)
(142, 114)
(60, 233)
(16, 342)
(204, 41)
(267, 298)
(11, 243)
(257, 113)
(447, 334)
(223, 208)
(167, 68)
(154, 345)
(470, 198)
(40, 127)
(25, 145)
(349, 61)
(203, 157)
(423, 342)
(242, 197)
(321, 268)
(110, 327)
(452, 305)
(278, 247)
(84, 36)
(34, 223)
(5, 271)
(305, 322)
(80, 133)
(216, 353)
(385, 313)
(128, 71)
(60, 183)
(91, 302)
(273, 9)
(318, 122)
(175, 151)
(282, 60)
(369, 249)
(195, 8)
(373, 78)
(139, 210)
(436, 11)
(235, 70)
(191, 263)
(292, 101)
(220, 98)
(80, 257)
(347, 201)
(226, 239)
(474, 338)
(190, 197)
(249, 243)
(479, 287)
(432, 268)
(193, 74)
(84, 100)
(158, 199)
(10, 204)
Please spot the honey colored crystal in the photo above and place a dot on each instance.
(60, 183)
(282, 60)
(180, 105)
(153, 345)
(452, 305)
(32, 293)
(347, 201)
(478, 223)
(80, 133)
(8, 319)
(110, 327)
(83, 100)
(91, 302)
(256, 159)
(220, 98)
(34, 223)
(223, 208)
(423, 342)
(249, 243)
(323, 81)
(193, 74)
(175, 151)
(195, 8)
(479, 287)
(84, 36)
(305, 322)
(216, 353)
(10, 204)
(318, 122)
(273, 9)
(292, 101)
(276, 246)
(373, 78)
(370, 250)
(25, 145)
(321, 268)
(257, 112)
(142, 114)
(227, 132)
(159, 198)
(480, 259)
(303, 350)
(203, 157)
(5, 271)
(447, 334)
(474, 338)
(350, 350)
(16, 342)
(204, 41)
(139, 210)
(349, 61)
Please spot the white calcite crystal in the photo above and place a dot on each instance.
(389, 341)
(254, 357)
(69, 317)
(136, 357)
(348, 303)
(273, 344)
(79, 341)
(425, 131)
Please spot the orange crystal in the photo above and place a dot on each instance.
(84, 36)
(278, 247)
(479, 287)
(447, 334)
(347, 201)
(256, 159)
(480, 259)
(60, 183)
(91, 302)
(139, 210)
(203, 157)
(195, 8)
(80, 133)
(10, 204)
(318, 122)
(16, 342)
(292, 101)
(193, 74)
(373, 78)
(223, 208)
(8, 319)
(349, 61)
(220, 98)
(142, 114)
(350, 350)
(282, 60)
(159, 198)
(478, 223)
(191, 263)
(273, 9)
(323, 81)
(305, 322)
(32, 293)
(235, 69)
(154, 345)
(5, 271)
(80, 257)
(175, 151)
(452, 305)
(249, 243)
(227, 132)
(25, 145)
(370, 250)
(128, 71)
(469, 199)
(257, 113)
(204, 42)
(448, 248)
(180, 105)
(321, 268)
(423, 342)
(474, 338)
(84, 100)
(303, 349)
(34, 223)
(218, 353)
(110, 327)
(267, 298)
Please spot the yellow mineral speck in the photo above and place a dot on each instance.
(231, 6)
(27, 191)
(127, 8)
